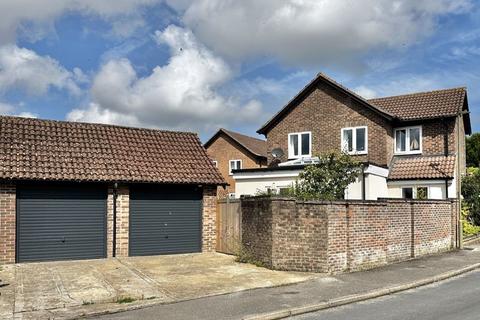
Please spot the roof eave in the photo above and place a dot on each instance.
(220, 131)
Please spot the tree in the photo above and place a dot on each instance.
(473, 150)
(328, 179)
(471, 195)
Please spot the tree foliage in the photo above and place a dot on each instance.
(328, 179)
(473, 150)
(471, 195)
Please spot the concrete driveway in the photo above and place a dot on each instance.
(65, 290)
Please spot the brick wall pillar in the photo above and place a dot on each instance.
(123, 210)
(7, 223)
(209, 219)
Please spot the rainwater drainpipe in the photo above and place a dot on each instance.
(115, 193)
(363, 183)
(445, 142)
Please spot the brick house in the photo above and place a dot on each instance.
(411, 146)
(84, 191)
(230, 151)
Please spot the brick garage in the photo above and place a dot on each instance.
(345, 235)
(42, 159)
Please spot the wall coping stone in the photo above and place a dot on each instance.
(379, 202)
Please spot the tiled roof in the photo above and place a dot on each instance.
(58, 150)
(255, 146)
(423, 105)
(422, 167)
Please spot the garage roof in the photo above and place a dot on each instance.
(33, 149)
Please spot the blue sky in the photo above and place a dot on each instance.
(199, 65)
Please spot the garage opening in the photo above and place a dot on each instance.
(165, 219)
(61, 222)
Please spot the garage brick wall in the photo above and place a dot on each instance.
(7, 223)
(123, 209)
(209, 222)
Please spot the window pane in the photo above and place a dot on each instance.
(294, 144)
(407, 193)
(361, 139)
(305, 144)
(239, 165)
(422, 193)
(348, 140)
(415, 139)
(400, 138)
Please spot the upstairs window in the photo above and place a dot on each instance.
(215, 163)
(299, 145)
(408, 140)
(354, 140)
(234, 165)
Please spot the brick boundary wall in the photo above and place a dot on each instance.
(344, 236)
(7, 223)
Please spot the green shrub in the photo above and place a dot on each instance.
(245, 256)
(328, 179)
(469, 229)
(471, 195)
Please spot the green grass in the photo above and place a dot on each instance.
(125, 300)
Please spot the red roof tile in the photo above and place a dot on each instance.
(423, 105)
(426, 167)
(59, 150)
(255, 146)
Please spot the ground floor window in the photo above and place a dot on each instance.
(415, 192)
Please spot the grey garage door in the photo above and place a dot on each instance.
(61, 222)
(165, 220)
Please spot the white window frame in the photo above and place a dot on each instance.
(407, 140)
(414, 191)
(354, 140)
(290, 149)
(215, 163)
(230, 165)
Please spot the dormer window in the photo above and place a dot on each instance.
(354, 140)
(408, 140)
(299, 145)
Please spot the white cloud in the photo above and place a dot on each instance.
(33, 19)
(26, 115)
(5, 108)
(23, 69)
(312, 31)
(9, 109)
(183, 94)
(365, 92)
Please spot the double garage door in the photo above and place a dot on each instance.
(65, 222)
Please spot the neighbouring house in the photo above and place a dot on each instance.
(234, 151)
(411, 146)
(84, 191)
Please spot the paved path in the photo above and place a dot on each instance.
(68, 289)
(260, 301)
(457, 298)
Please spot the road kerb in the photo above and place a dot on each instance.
(281, 314)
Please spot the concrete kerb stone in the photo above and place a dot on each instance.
(281, 314)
